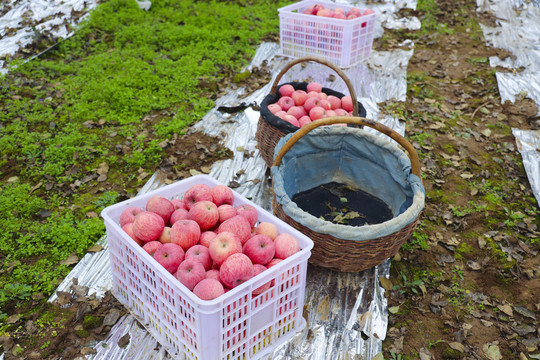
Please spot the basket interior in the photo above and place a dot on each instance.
(348, 156)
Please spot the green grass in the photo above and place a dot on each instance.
(63, 114)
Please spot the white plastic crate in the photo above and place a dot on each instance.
(342, 42)
(237, 325)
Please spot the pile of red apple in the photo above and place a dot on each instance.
(300, 107)
(207, 243)
(337, 13)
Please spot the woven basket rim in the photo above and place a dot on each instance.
(384, 229)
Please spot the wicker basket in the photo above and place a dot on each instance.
(342, 254)
(271, 128)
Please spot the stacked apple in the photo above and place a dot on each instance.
(300, 107)
(337, 13)
(207, 243)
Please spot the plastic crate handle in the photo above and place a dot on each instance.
(323, 62)
(413, 155)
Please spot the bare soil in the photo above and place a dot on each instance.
(473, 300)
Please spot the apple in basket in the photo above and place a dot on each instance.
(260, 249)
(161, 206)
(128, 215)
(205, 213)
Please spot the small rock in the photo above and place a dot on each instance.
(79, 290)
(111, 318)
(525, 312)
(88, 351)
(507, 309)
(522, 330)
(34, 355)
(123, 341)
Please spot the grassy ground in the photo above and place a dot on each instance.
(81, 126)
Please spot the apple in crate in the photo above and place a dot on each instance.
(236, 270)
(185, 233)
(267, 228)
(205, 213)
(257, 269)
(148, 226)
(201, 254)
(212, 274)
(178, 204)
(237, 225)
(170, 256)
(209, 289)
(286, 245)
(151, 247)
(195, 193)
(128, 215)
(178, 214)
(224, 245)
(260, 249)
(161, 206)
(226, 212)
(190, 273)
(249, 212)
(206, 237)
(128, 228)
(165, 235)
(222, 194)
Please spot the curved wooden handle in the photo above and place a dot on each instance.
(323, 62)
(413, 155)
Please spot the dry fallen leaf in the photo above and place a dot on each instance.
(70, 260)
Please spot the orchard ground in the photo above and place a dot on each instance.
(465, 286)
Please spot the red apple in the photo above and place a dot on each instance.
(212, 274)
(237, 225)
(148, 226)
(335, 102)
(257, 269)
(286, 245)
(224, 245)
(197, 192)
(236, 270)
(128, 215)
(128, 228)
(304, 120)
(260, 249)
(206, 237)
(316, 113)
(274, 108)
(169, 256)
(292, 120)
(178, 214)
(190, 273)
(281, 114)
(297, 111)
(226, 212)
(314, 86)
(286, 90)
(299, 97)
(161, 206)
(209, 289)
(201, 254)
(222, 194)
(178, 204)
(249, 212)
(205, 213)
(151, 247)
(185, 233)
(311, 103)
(285, 102)
(347, 103)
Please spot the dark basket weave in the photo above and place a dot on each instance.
(271, 128)
(341, 254)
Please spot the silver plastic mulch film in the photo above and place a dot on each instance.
(518, 31)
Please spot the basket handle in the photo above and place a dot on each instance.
(323, 62)
(413, 155)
